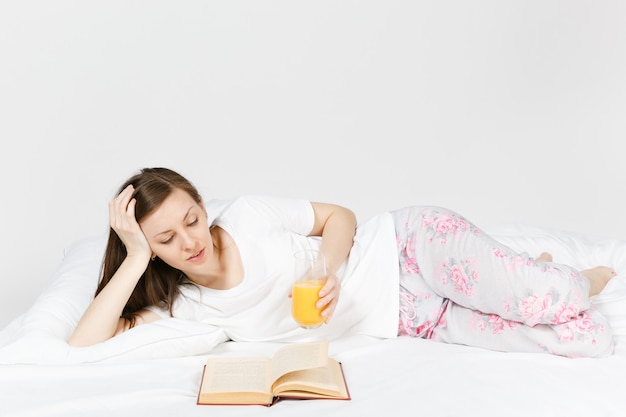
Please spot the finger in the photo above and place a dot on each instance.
(323, 302)
(130, 210)
(125, 195)
(117, 219)
(124, 198)
(329, 285)
(327, 313)
(329, 300)
(123, 202)
(330, 316)
(124, 223)
(119, 205)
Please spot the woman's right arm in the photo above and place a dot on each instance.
(102, 319)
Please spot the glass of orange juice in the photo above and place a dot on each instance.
(310, 276)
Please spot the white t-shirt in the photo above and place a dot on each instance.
(267, 231)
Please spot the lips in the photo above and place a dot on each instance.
(196, 257)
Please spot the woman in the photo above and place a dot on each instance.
(443, 277)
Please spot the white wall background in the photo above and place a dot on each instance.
(507, 111)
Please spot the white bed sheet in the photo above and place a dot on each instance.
(40, 376)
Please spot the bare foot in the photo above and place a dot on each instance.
(598, 278)
(544, 257)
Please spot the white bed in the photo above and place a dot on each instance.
(154, 370)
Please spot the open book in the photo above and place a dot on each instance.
(302, 371)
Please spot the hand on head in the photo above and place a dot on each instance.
(123, 222)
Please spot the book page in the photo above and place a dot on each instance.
(299, 356)
(237, 375)
(316, 382)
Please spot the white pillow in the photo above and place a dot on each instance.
(40, 334)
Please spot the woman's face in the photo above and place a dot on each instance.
(178, 233)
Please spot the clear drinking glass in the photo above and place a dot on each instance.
(309, 278)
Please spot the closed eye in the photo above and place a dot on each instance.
(166, 241)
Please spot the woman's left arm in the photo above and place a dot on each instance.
(337, 226)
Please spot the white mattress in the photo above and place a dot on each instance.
(155, 370)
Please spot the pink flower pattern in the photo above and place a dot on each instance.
(419, 310)
(413, 324)
(582, 327)
(410, 263)
(423, 315)
(461, 275)
(442, 225)
(492, 323)
(565, 313)
(533, 308)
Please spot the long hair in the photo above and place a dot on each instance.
(160, 283)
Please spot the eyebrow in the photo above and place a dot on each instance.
(184, 218)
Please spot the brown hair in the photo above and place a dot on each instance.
(159, 284)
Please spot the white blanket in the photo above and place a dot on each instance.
(155, 369)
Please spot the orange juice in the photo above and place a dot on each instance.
(304, 296)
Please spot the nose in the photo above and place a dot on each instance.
(187, 242)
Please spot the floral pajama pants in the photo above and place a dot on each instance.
(459, 285)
